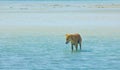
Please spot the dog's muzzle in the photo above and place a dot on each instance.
(66, 42)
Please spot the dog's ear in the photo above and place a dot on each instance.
(66, 34)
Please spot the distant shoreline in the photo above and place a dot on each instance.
(58, 7)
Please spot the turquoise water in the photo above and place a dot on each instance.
(38, 51)
(36, 40)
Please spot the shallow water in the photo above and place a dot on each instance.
(36, 40)
(49, 52)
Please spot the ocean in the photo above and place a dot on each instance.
(34, 38)
(38, 51)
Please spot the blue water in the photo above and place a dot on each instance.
(39, 51)
(36, 41)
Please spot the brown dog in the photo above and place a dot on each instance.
(75, 39)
